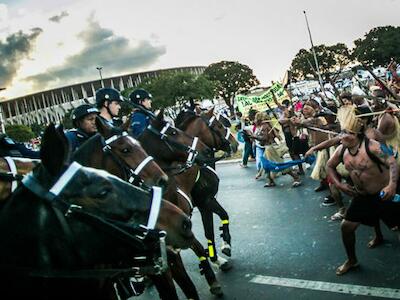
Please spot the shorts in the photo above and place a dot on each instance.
(369, 209)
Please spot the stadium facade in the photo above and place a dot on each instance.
(52, 105)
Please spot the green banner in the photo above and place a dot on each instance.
(259, 102)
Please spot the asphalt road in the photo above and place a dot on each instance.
(285, 246)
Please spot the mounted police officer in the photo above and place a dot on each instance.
(108, 102)
(140, 118)
(84, 121)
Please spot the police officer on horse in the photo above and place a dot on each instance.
(108, 102)
(140, 118)
(84, 121)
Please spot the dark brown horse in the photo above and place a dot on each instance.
(172, 150)
(211, 130)
(66, 219)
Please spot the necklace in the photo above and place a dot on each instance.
(358, 148)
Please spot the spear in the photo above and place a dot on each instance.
(380, 81)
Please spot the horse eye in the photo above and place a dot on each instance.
(174, 132)
(125, 150)
(103, 193)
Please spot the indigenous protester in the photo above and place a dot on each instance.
(374, 173)
(265, 138)
(108, 102)
(259, 119)
(84, 121)
(244, 135)
(141, 114)
(296, 143)
(310, 118)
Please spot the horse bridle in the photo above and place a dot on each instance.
(224, 140)
(131, 175)
(191, 150)
(11, 176)
(137, 237)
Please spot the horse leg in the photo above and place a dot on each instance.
(208, 224)
(223, 215)
(205, 268)
(180, 275)
(165, 286)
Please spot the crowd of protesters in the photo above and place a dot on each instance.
(355, 138)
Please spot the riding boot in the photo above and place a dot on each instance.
(207, 271)
(226, 237)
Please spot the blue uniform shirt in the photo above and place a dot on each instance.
(139, 123)
(76, 138)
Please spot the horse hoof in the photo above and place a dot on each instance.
(216, 289)
(226, 249)
(223, 264)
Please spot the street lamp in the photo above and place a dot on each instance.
(101, 78)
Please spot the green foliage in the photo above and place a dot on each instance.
(37, 129)
(171, 88)
(330, 59)
(378, 46)
(230, 78)
(19, 133)
(67, 121)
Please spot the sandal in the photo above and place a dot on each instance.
(296, 184)
(270, 184)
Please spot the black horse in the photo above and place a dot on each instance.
(65, 220)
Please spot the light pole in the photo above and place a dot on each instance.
(101, 77)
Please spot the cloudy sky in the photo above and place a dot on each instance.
(46, 43)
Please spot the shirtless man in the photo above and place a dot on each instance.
(372, 173)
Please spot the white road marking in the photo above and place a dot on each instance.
(328, 286)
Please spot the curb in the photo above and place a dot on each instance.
(228, 161)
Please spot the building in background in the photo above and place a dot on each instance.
(52, 105)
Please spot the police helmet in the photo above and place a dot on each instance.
(139, 95)
(82, 111)
(107, 94)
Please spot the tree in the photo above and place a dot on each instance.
(171, 88)
(20, 133)
(37, 129)
(378, 46)
(67, 120)
(230, 78)
(331, 59)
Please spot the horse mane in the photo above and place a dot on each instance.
(184, 118)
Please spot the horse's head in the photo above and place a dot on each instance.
(220, 131)
(123, 155)
(104, 195)
(171, 144)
